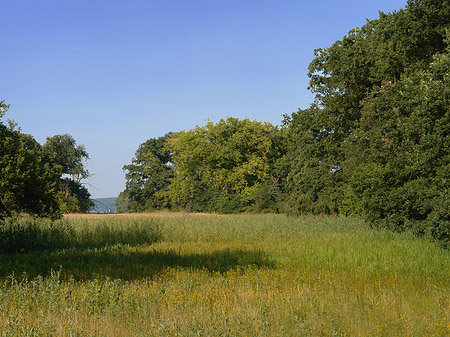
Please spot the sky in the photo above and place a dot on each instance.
(115, 73)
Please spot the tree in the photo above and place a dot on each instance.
(122, 202)
(66, 157)
(404, 139)
(148, 176)
(225, 167)
(314, 164)
(359, 80)
(26, 183)
(3, 108)
(67, 161)
(376, 141)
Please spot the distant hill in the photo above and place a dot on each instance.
(104, 205)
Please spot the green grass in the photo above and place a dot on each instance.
(237, 275)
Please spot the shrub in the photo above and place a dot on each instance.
(438, 222)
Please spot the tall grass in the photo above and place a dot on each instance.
(240, 275)
(30, 234)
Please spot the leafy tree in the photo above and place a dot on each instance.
(148, 176)
(67, 157)
(67, 161)
(122, 202)
(225, 167)
(26, 183)
(354, 149)
(314, 164)
(404, 140)
(3, 108)
(376, 141)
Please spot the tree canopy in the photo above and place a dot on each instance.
(147, 177)
(26, 183)
(32, 176)
(375, 142)
(225, 167)
(68, 164)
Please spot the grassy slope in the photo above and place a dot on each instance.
(242, 275)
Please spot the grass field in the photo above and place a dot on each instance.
(207, 275)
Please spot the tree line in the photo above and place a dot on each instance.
(41, 180)
(375, 142)
(227, 167)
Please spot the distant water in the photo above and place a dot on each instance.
(104, 205)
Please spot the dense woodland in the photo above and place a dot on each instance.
(374, 143)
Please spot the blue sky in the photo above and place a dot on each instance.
(116, 73)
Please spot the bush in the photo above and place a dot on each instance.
(438, 222)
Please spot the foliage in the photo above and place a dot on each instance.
(66, 156)
(375, 142)
(148, 177)
(122, 202)
(67, 161)
(225, 167)
(26, 183)
(438, 221)
(228, 167)
(3, 108)
(404, 136)
(73, 196)
(40, 180)
(314, 164)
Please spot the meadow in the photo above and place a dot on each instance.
(214, 275)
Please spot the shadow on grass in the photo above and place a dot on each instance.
(27, 235)
(117, 263)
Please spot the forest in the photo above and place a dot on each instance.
(374, 143)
